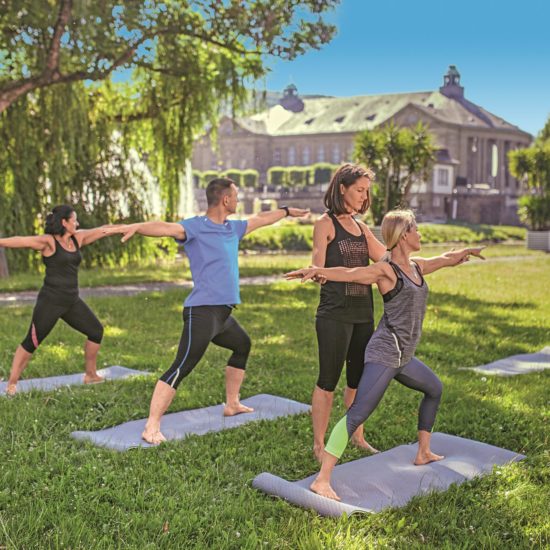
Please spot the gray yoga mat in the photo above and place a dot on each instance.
(46, 384)
(198, 421)
(517, 364)
(390, 478)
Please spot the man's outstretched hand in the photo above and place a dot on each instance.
(127, 231)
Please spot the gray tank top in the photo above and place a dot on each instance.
(395, 339)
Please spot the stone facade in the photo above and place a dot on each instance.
(472, 144)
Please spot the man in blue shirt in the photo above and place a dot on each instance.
(212, 245)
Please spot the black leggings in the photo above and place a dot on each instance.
(338, 343)
(202, 325)
(47, 312)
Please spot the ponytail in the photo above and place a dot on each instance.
(54, 219)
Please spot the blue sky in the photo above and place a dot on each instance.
(501, 49)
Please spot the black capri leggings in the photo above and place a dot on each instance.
(47, 312)
(202, 325)
(338, 343)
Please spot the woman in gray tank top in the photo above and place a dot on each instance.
(390, 351)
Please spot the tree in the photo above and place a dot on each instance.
(399, 157)
(533, 166)
(70, 131)
(88, 40)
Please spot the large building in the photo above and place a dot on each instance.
(470, 178)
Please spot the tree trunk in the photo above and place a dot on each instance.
(4, 272)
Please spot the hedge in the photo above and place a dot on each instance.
(448, 233)
(243, 178)
(295, 237)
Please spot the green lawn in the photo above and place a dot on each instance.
(57, 492)
(251, 264)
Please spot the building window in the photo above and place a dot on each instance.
(436, 202)
(306, 156)
(336, 153)
(276, 157)
(442, 177)
(321, 153)
(291, 156)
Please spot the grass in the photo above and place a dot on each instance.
(251, 264)
(60, 493)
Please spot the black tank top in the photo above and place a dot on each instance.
(347, 302)
(61, 280)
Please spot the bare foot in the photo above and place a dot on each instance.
(324, 489)
(318, 451)
(153, 436)
(239, 408)
(363, 444)
(426, 458)
(11, 390)
(93, 379)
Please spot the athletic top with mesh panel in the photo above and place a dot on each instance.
(346, 302)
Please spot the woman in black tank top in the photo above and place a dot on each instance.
(344, 321)
(58, 298)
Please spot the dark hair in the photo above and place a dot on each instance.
(216, 189)
(346, 175)
(54, 224)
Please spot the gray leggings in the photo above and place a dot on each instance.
(376, 378)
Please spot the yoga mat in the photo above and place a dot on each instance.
(197, 421)
(517, 364)
(390, 479)
(53, 382)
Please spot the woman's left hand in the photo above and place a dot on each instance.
(306, 274)
(460, 256)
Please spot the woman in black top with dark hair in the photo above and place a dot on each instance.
(59, 298)
(344, 321)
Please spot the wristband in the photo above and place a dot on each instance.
(285, 208)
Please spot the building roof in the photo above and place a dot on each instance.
(329, 115)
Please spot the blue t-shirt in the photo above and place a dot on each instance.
(213, 252)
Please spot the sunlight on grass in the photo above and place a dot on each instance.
(57, 492)
(111, 331)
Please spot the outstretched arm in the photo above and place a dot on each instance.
(362, 275)
(448, 259)
(267, 218)
(37, 242)
(88, 236)
(149, 229)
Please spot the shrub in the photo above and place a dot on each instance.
(322, 172)
(298, 176)
(235, 175)
(208, 176)
(290, 237)
(250, 178)
(277, 175)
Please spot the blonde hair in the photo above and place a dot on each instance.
(394, 225)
